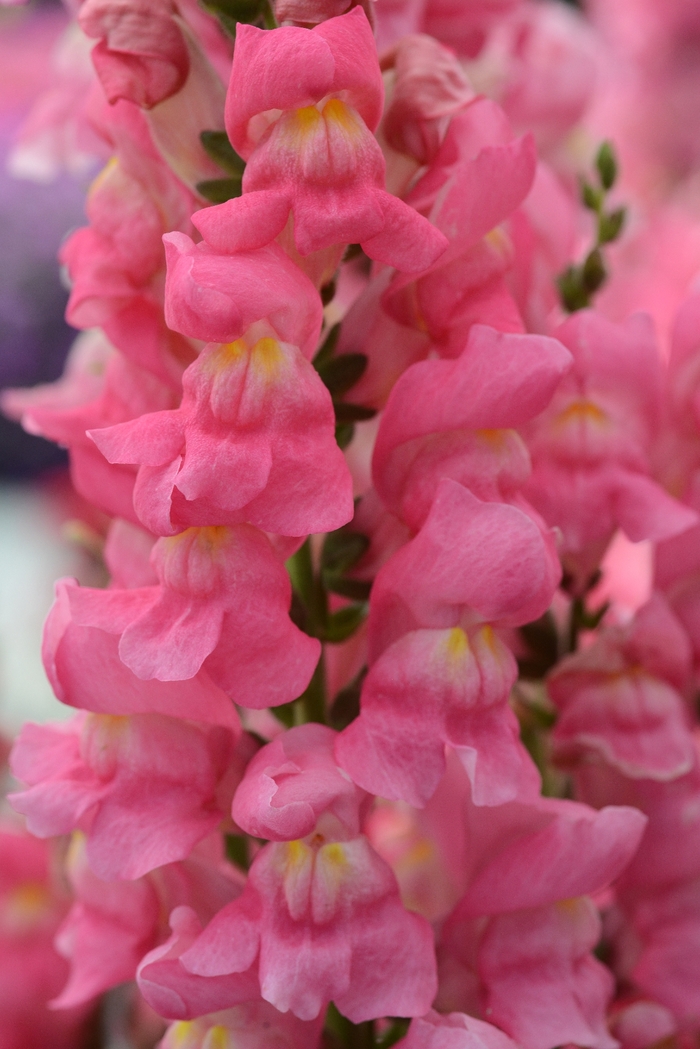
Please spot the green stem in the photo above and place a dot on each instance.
(309, 587)
(269, 20)
(312, 705)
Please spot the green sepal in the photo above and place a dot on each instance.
(327, 347)
(591, 197)
(593, 274)
(342, 550)
(237, 852)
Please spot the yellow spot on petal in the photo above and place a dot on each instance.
(180, 1034)
(307, 119)
(333, 854)
(227, 355)
(268, 358)
(107, 171)
(337, 112)
(457, 644)
(582, 411)
(25, 907)
(493, 437)
(297, 853)
(218, 1037)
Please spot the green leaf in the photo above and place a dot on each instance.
(252, 12)
(218, 147)
(610, 225)
(606, 163)
(342, 624)
(327, 347)
(594, 273)
(592, 198)
(573, 294)
(339, 374)
(219, 190)
(344, 434)
(342, 550)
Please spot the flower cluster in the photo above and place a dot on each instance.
(355, 759)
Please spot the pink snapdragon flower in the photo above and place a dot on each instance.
(426, 87)
(112, 925)
(479, 176)
(254, 1025)
(140, 54)
(320, 917)
(439, 672)
(591, 448)
(466, 429)
(622, 697)
(144, 789)
(220, 605)
(217, 295)
(529, 966)
(253, 440)
(301, 109)
(453, 1031)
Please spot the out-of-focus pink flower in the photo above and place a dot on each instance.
(31, 972)
(98, 388)
(454, 1031)
(253, 440)
(112, 925)
(477, 179)
(311, 12)
(117, 263)
(254, 1025)
(591, 448)
(221, 605)
(140, 54)
(143, 789)
(622, 697)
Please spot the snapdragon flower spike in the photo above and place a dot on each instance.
(622, 697)
(253, 1025)
(221, 605)
(217, 295)
(253, 440)
(301, 109)
(320, 918)
(112, 925)
(439, 673)
(291, 782)
(143, 789)
(466, 428)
